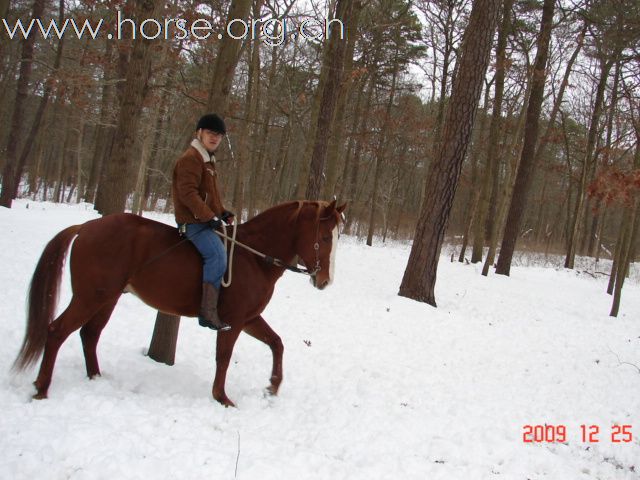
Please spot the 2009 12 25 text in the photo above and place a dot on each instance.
(587, 434)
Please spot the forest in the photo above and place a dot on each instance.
(546, 133)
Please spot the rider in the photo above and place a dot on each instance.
(198, 211)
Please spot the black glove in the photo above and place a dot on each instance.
(215, 222)
(227, 217)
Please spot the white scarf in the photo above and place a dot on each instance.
(206, 156)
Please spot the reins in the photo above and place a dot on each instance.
(266, 258)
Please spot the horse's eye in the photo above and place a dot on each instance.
(327, 238)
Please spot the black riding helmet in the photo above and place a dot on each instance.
(213, 122)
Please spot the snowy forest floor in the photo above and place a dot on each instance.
(376, 385)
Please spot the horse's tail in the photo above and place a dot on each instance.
(43, 297)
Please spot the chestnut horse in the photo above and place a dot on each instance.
(128, 253)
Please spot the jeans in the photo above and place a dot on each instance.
(210, 246)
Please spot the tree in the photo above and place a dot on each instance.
(42, 106)
(611, 35)
(247, 126)
(335, 54)
(419, 277)
(527, 158)
(445, 20)
(623, 187)
(11, 170)
(115, 186)
(4, 8)
(227, 58)
(490, 179)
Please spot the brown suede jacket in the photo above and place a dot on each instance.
(196, 195)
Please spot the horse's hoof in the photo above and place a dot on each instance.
(227, 403)
(271, 390)
(224, 400)
(39, 396)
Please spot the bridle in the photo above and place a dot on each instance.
(267, 258)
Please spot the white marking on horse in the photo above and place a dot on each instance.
(332, 257)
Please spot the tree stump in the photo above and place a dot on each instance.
(164, 339)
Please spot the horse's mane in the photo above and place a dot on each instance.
(294, 207)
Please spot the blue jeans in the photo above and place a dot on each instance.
(210, 246)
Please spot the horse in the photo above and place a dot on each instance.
(124, 252)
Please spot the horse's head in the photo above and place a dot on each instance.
(317, 239)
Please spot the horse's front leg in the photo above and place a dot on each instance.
(224, 348)
(259, 329)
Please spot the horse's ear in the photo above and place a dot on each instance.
(331, 208)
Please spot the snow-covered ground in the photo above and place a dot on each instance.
(376, 386)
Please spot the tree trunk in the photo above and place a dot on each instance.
(628, 239)
(483, 189)
(159, 138)
(11, 169)
(448, 48)
(334, 155)
(630, 227)
(165, 338)
(335, 55)
(58, 191)
(227, 58)
(103, 129)
(42, 106)
(379, 157)
(471, 209)
(593, 239)
(256, 169)
(360, 133)
(419, 277)
(265, 183)
(117, 183)
(616, 255)
(346, 190)
(4, 8)
(576, 222)
(146, 136)
(495, 128)
(282, 164)
(246, 127)
(527, 158)
(544, 140)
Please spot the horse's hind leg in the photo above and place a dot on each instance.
(90, 334)
(258, 328)
(69, 321)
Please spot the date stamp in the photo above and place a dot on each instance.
(586, 434)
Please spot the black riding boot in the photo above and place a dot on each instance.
(208, 316)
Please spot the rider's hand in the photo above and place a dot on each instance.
(215, 222)
(227, 217)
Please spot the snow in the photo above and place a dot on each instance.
(376, 385)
